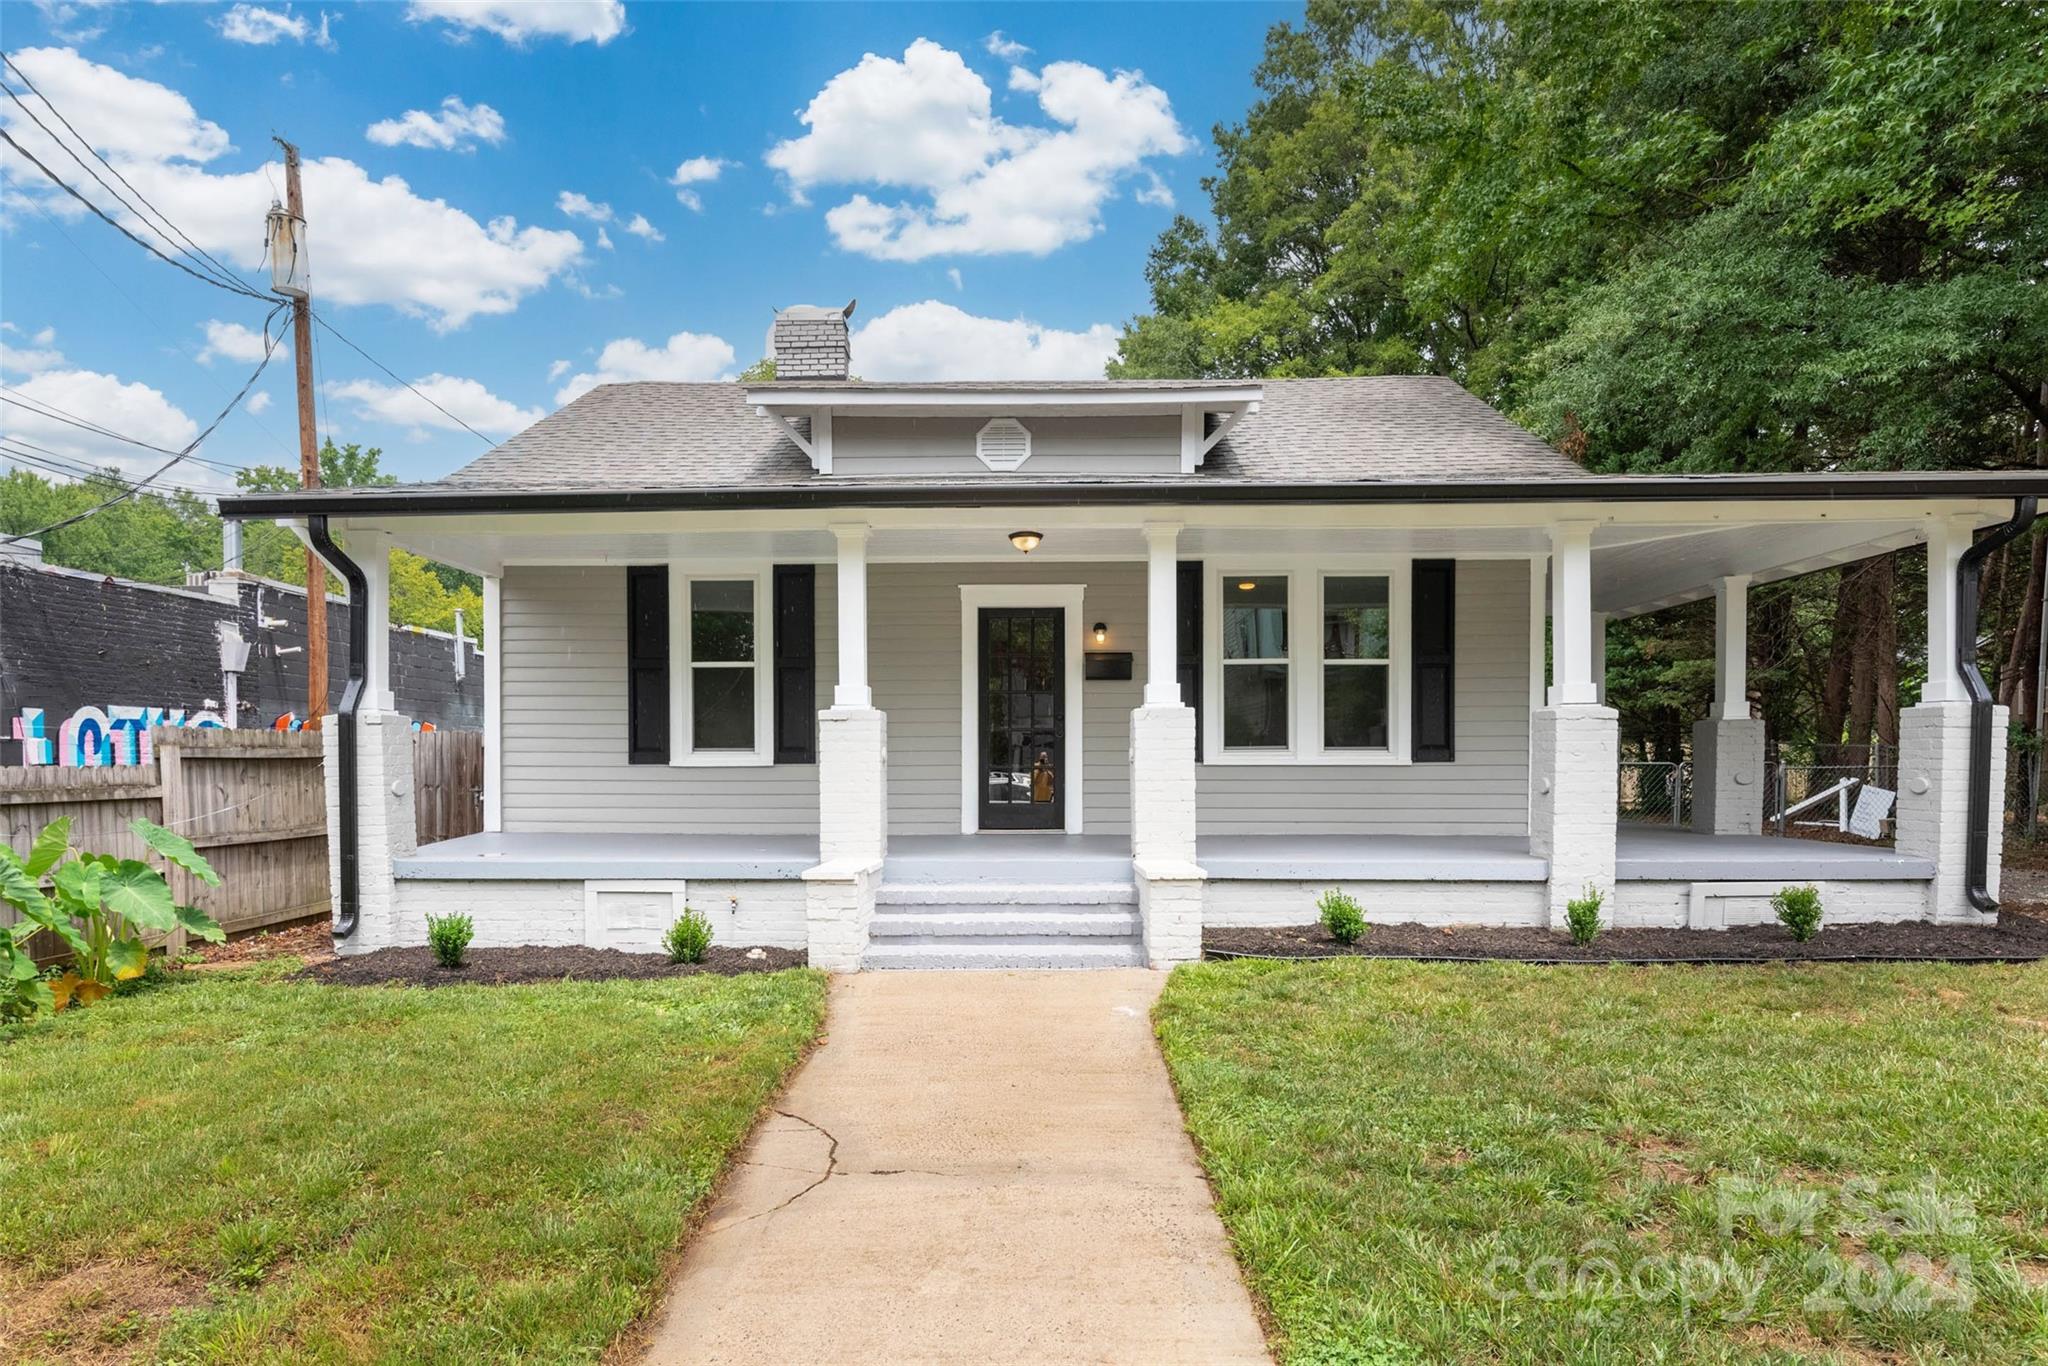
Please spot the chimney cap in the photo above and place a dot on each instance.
(808, 312)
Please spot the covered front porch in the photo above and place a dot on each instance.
(1476, 784)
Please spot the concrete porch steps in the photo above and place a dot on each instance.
(1004, 924)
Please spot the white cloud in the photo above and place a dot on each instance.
(372, 241)
(1156, 192)
(604, 239)
(924, 124)
(558, 369)
(583, 206)
(39, 355)
(934, 340)
(464, 398)
(953, 274)
(133, 409)
(233, 341)
(259, 402)
(693, 172)
(518, 21)
(64, 16)
(458, 127)
(685, 356)
(640, 227)
(1005, 48)
(261, 27)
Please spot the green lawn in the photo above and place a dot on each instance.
(1433, 1162)
(256, 1169)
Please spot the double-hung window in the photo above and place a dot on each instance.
(1358, 662)
(1309, 663)
(722, 695)
(1256, 676)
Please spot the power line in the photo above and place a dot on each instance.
(84, 473)
(224, 466)
(322, 320)
(147, 316)
(101, 214)
(179, 239)
(269, 349)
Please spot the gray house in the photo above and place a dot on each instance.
(1059, 673)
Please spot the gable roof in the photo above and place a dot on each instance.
(656, 435)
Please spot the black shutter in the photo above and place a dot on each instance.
(1188, 661)
(647, 664)
(796, 664)
(1433, 631)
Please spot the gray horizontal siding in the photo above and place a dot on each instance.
(914, 668)
(564, 722)
(1485, 792)
(1059, 445)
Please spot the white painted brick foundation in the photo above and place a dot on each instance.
(839, 907)
(508, 914)
(386, 828)
(1716, 906)
(1934, 801)
(1728, 777)
(1235, 902)
(1576, 749)
(1170, 911)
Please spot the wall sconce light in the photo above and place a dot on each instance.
(1101, 633)
(1026, 541)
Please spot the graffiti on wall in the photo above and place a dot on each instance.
(95, 737)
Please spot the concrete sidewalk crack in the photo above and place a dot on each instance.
(831, 1170)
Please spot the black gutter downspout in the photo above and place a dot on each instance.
(1969, 572)
(345, 718)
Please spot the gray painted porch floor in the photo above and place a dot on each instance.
(1644, 854)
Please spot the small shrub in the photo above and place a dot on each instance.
(1798, 911)
(1582, 916)
(688, 937)
(1342, 916)
(450, 935)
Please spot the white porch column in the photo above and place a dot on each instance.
(853, 690)
(853, 782)
(1934, 747)
(373, 553)
(494, 703)
(1162, 617)
(1575, 743)
(1599, 664)
(1163, 772)
(1728, 746)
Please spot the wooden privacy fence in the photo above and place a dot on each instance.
(447, 783)
(252, 801)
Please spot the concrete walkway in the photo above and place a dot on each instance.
(975, 1166)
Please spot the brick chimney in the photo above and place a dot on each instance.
(811, 343)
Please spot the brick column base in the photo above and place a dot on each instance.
(853, 835)
(1728, 777)
(1170, 910)
(385, 829)
(1163, 784)
(1934, 802)
(1576, 752)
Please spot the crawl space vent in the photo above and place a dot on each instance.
(1004, 444)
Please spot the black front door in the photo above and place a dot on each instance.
(1023, 718)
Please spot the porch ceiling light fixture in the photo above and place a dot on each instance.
(1247, 585)
(1026, 541)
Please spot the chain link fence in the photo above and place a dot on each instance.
(1656, 793)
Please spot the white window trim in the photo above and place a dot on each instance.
(1070, 598)
(682, 719)
(1305, 576)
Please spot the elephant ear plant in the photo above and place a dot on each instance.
(98, 904)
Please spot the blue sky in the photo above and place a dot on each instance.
(508, 202)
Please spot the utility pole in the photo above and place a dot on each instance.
(309, 444)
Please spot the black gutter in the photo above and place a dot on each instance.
(1969, 573)
(345, 719)
(1000, 492)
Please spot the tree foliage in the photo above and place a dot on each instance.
(159, 539)
(1670, 235)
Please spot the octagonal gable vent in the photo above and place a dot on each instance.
(1004, 444)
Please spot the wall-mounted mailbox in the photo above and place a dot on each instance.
(1108, 666)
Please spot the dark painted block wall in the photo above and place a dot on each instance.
(71, 640)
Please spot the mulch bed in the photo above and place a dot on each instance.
(2021, 936)
(509, 967)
